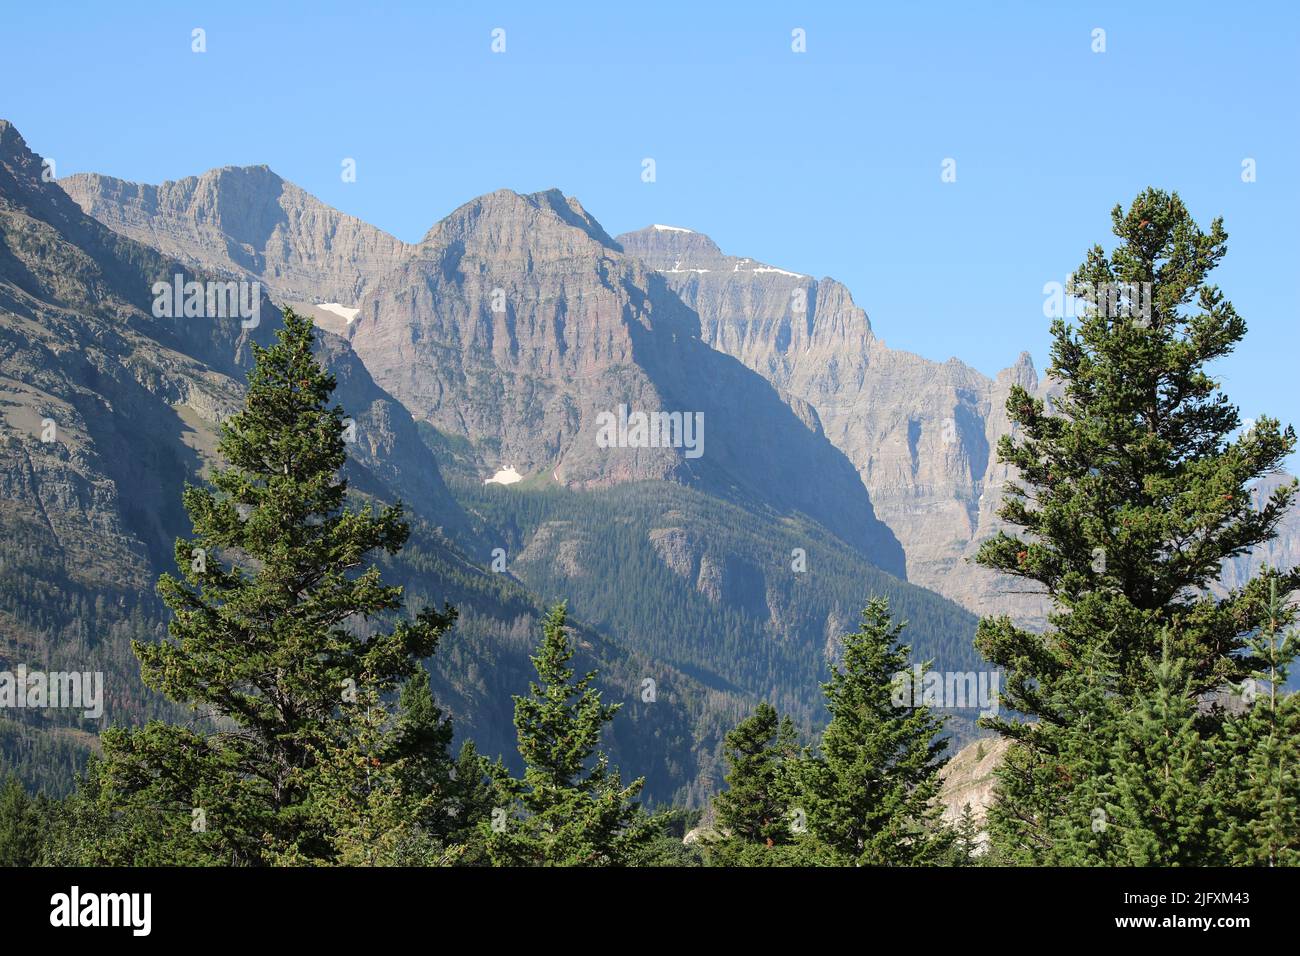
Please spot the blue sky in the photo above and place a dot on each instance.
(826, 162)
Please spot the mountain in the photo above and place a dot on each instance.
(512, 328)
(505, 334)
(246, 221)
(106, 410)
(921, 434)
(518, 323)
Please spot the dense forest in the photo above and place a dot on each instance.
(1148, 724)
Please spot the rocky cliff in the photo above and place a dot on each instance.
(921, 434)
(246, 221)
(518, 325)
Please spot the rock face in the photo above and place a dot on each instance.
(519, 325)
(246, 221)
(106, 411)
(968, 779)
(921, 434)
(1283, 552)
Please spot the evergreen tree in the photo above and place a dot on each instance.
(870, 793)
(1163, 810)
(966, 844)
(478, 788)
(273, 629)
(756, 805)
(1132, 491)
(23, 823)
(422, 748)
(1258, 781)
(572, 810)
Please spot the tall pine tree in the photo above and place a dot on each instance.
(870, 792)
(274, 632)
(571, 806)
(1133, 489)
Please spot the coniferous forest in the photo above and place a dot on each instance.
(298, 717)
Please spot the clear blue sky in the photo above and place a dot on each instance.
(826, 162)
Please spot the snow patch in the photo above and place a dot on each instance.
(677, 267)
(506, 476)
(757, 269)
(663, 228)
(339, 309)
(783, 272)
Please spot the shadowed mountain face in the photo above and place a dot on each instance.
(514, 328)
(518, 323)
(922, 435)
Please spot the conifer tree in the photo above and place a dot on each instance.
(23, 823)
(422, 747)
(966, 844)
(1258, 774)
(1132, 490)
(755, 807)
(276, 622)
(1162, 809)
(870, 792)
(572, 808)
(478, 788)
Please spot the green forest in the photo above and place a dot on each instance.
(301, 678)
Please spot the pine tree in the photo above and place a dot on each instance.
(1132, 491)
(478, 787)
(273, 630)
(1258, 774)
(1058, 816)
(966, 843)
(423, 747)
(572, 807)
(23, 823)
(870, 792)
(1162, 809)
(756, 806)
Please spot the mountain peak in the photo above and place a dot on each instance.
(247, 220)
(505, 218)
(14, 151)
(664, 248)
(1021, 372)
(10, 139)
